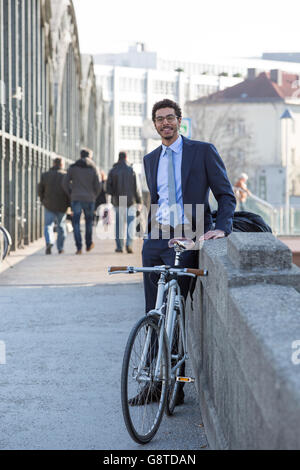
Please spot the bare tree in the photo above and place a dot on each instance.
(224, 126)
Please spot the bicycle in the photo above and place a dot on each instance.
(156, 350)
(5, 239)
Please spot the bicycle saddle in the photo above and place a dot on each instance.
(184, 243)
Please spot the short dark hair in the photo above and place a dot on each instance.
(166, 104)
(58, 162)
(84, 153)
(122, 156)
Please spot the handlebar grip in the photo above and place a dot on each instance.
(113, 269)
(197, 272)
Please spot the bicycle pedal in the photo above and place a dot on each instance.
(190, 380)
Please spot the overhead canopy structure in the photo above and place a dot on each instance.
(49, 105)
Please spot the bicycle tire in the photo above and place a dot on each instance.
(177, 350)
(142, 420)
(7, 242)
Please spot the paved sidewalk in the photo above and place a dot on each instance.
(65, 324)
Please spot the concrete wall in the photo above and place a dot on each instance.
(245, 319)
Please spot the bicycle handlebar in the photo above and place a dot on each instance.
(157, 269)
(197, 272)
(114, 269)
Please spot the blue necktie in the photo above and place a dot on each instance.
(172, 188)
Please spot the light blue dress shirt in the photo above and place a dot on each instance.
(163, 213)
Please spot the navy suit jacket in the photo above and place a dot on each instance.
(202, 169)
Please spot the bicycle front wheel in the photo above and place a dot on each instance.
(144, 382)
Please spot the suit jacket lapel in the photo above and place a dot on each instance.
(154, 171)
(188, 155)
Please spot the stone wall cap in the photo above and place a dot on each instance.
(248, 251)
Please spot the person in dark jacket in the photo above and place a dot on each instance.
(82, 184)
(122, 186)
(56, 203)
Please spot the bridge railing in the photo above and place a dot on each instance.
(268, 212)
(275, 215)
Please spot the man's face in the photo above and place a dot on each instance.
(167, 124)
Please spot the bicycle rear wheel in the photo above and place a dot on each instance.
(177, 354)
(144, 395)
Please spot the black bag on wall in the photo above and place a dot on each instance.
(247, 222)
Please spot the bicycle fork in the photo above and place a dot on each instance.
(146, 356)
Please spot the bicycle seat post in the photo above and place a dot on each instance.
(177, 257)
(180, 245)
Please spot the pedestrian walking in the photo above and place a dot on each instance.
(56, 203)
(123, 187)
(241, 191)
(82, 184)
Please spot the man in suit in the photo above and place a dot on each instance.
(181, 172)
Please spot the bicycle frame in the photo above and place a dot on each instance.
(166, 313)
(167, 321)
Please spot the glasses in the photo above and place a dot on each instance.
(170, 118)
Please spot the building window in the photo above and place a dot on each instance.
(236, 127)
(130, 84)
(132, 109)
(230, 127)
(131, 133)
(241, 127)
(163, 87)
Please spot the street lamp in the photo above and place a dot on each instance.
(287, 116)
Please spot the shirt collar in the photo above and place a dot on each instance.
(175, 147)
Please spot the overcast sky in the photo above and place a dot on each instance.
(190, 29)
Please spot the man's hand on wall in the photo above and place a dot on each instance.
(212, 235)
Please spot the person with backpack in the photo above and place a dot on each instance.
(56, 203)
(122, 186)
(83, 185)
